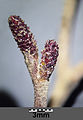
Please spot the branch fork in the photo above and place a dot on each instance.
(40, 73)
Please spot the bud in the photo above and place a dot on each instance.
(48, 59)
(23, 35)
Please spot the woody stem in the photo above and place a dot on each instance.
(40, 93)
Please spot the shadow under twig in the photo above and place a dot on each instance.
(72, 98)
(6, 100)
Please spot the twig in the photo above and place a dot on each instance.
(40, 73)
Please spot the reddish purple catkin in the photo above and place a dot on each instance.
(23, 35)
(49, 58)
(27, 44)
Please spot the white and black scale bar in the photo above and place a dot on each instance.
(41, 110)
